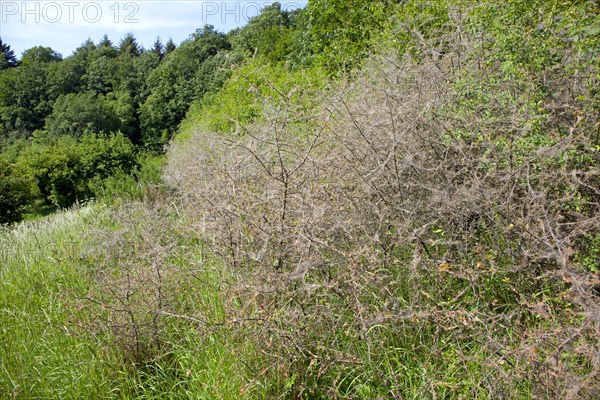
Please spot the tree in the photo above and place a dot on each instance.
(106, 48)
(85, 53)
(121, 106)
(300, 53)
(170, 46)
(143, 67)
(102, 75)
(158, 48)
(105, 42)
(7, 56)
(40, 55)
(76, 114)
(64, 77)
(83, 56)
(213, 72)
(24, 96)
(268, 34)
(341, 32)
(24, 99)
(66, 168)
(172, 85)
(129, 45)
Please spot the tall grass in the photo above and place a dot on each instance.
(42, 354)
(61, 332)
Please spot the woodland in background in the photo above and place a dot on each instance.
(104, 93)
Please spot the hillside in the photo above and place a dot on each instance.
(399, 206)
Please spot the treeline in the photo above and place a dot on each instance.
(52, 108)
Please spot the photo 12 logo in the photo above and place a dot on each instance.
(68, 11)
(240, 11)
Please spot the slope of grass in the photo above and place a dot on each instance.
(63, 334)
(42, 355)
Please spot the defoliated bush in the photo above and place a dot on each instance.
(420, 232)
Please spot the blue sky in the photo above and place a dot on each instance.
(64, 24)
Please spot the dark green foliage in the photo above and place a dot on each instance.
(143, 67)
(172, 88)
(39, 55)
(161, 83)
(86, 52)
(300, 53)
(121, 105)
(24, 100)
(158, 48)
(7, 56)
(76, 114)
(82, 57)
(65, 77)
(65, 168)
(102, 75)
(129, 45)
(342, 36)
(105, 42)
(15, 194)
(126, 75)
(212, 73)
(170, 46)
(106, 49)
(267, 35)
(341, 30)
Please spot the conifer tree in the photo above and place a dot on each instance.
(105, 42)
(130, 46)
(7, 56)
(158, 48)
(170, 46)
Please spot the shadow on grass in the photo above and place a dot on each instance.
(40, 209)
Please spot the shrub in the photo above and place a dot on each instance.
(419, 233)
(248, 93)
(65, 167)
(15, 194)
